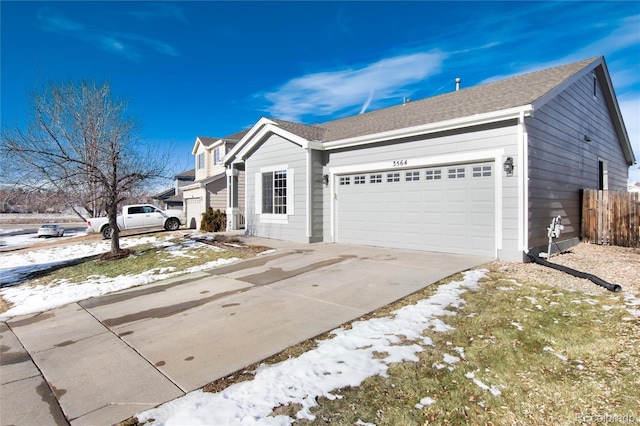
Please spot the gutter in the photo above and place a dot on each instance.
(441, 126)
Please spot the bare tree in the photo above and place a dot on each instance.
(80, 141)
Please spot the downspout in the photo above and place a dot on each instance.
(611, 287)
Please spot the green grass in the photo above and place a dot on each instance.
(146, 257)
(600, 376)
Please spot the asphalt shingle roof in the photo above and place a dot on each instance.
(236, 136)
(311, 133)
(206, 141)
(494, 96)
(187, 174)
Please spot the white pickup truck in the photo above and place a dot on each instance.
(138, 216)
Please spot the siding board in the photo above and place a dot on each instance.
(561, 163)
(276, 150)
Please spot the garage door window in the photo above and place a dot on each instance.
(345, 180)
(393, 177)
(375, 179)
(435, 174)
(359, 180)
(456, 173)
(411, 176)
(481, 171)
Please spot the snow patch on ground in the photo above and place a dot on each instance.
(425, 401)
(493, 389)
(347, 359)
(550, 349)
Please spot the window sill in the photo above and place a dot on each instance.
(274, 218)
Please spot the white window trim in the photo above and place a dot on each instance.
(271, 217)
(199, 166)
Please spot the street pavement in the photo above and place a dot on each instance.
(102, 360)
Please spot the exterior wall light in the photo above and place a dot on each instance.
(507, 166)
(587, 138)
(325, 179)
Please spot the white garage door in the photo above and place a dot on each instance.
(193, 211)
(446, 209)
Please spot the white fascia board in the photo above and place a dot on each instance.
(410, 163)
(562, 87)
(242, 142)
(195, 146)
(276, 130)
(457, 123)
(217, 143)
(203, 182)
(191, 187)
(620, 126)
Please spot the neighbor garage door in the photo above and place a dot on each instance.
(446, 209)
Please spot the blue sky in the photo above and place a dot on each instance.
(205, 68)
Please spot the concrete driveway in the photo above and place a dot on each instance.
(108, 358)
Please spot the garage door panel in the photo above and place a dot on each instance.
(481, 219)
(433, 219)
(457, 195)
(453, 215)
(481, 195)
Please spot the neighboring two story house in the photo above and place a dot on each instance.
(171, 198)
(209, 188)
(479, 171)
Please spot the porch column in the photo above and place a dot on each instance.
(232, 198)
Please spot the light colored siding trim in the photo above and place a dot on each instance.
(448, 147)
(453, 158)
(317, 196)
(309, 191)
(241, 190)
(561, 163)
(523, 185)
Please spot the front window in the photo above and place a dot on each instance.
(200, 161)
(216, 155)
(274, 192)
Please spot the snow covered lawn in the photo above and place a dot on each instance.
(15, 268)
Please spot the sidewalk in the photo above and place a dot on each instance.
(108, 358)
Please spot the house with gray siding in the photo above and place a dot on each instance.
(478, 171)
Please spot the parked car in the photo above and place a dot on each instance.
(50, 230)
(138, 216)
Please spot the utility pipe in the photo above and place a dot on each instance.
(611, 287)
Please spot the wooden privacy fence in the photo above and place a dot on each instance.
(611, 217)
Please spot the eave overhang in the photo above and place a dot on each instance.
(424, 129)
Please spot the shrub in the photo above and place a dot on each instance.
(213, 221)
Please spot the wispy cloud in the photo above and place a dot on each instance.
(328, 93)
(158, 11)
(623, 35)
(127, 44)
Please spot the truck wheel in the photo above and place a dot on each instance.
(172, 224)
(107, 232)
